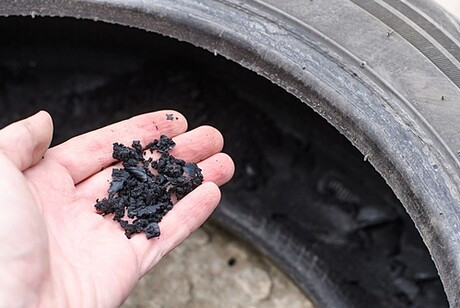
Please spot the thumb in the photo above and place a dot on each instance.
(25, 142)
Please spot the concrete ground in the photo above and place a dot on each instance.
(214, 269)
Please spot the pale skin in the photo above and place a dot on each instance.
(56, 251)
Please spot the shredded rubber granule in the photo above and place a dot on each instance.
(139, 198)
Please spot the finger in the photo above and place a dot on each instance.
(87, 154)
(191, 146)
(218, 169)
(185, 217)
(25, 142)
(198, 144)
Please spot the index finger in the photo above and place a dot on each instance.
(87, 154)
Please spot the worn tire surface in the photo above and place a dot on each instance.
(386, 74)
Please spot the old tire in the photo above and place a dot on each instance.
(369, 68)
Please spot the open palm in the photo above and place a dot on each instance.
(55, 249)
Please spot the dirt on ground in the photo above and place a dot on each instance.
(213, 268)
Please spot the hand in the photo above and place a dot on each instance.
(56, 250)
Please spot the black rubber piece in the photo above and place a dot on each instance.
(373, 83)
(140, 193)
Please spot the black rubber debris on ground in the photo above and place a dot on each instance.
(139, 198)
(231, 262)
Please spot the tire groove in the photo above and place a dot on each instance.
(414, 37)
(428, 27)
